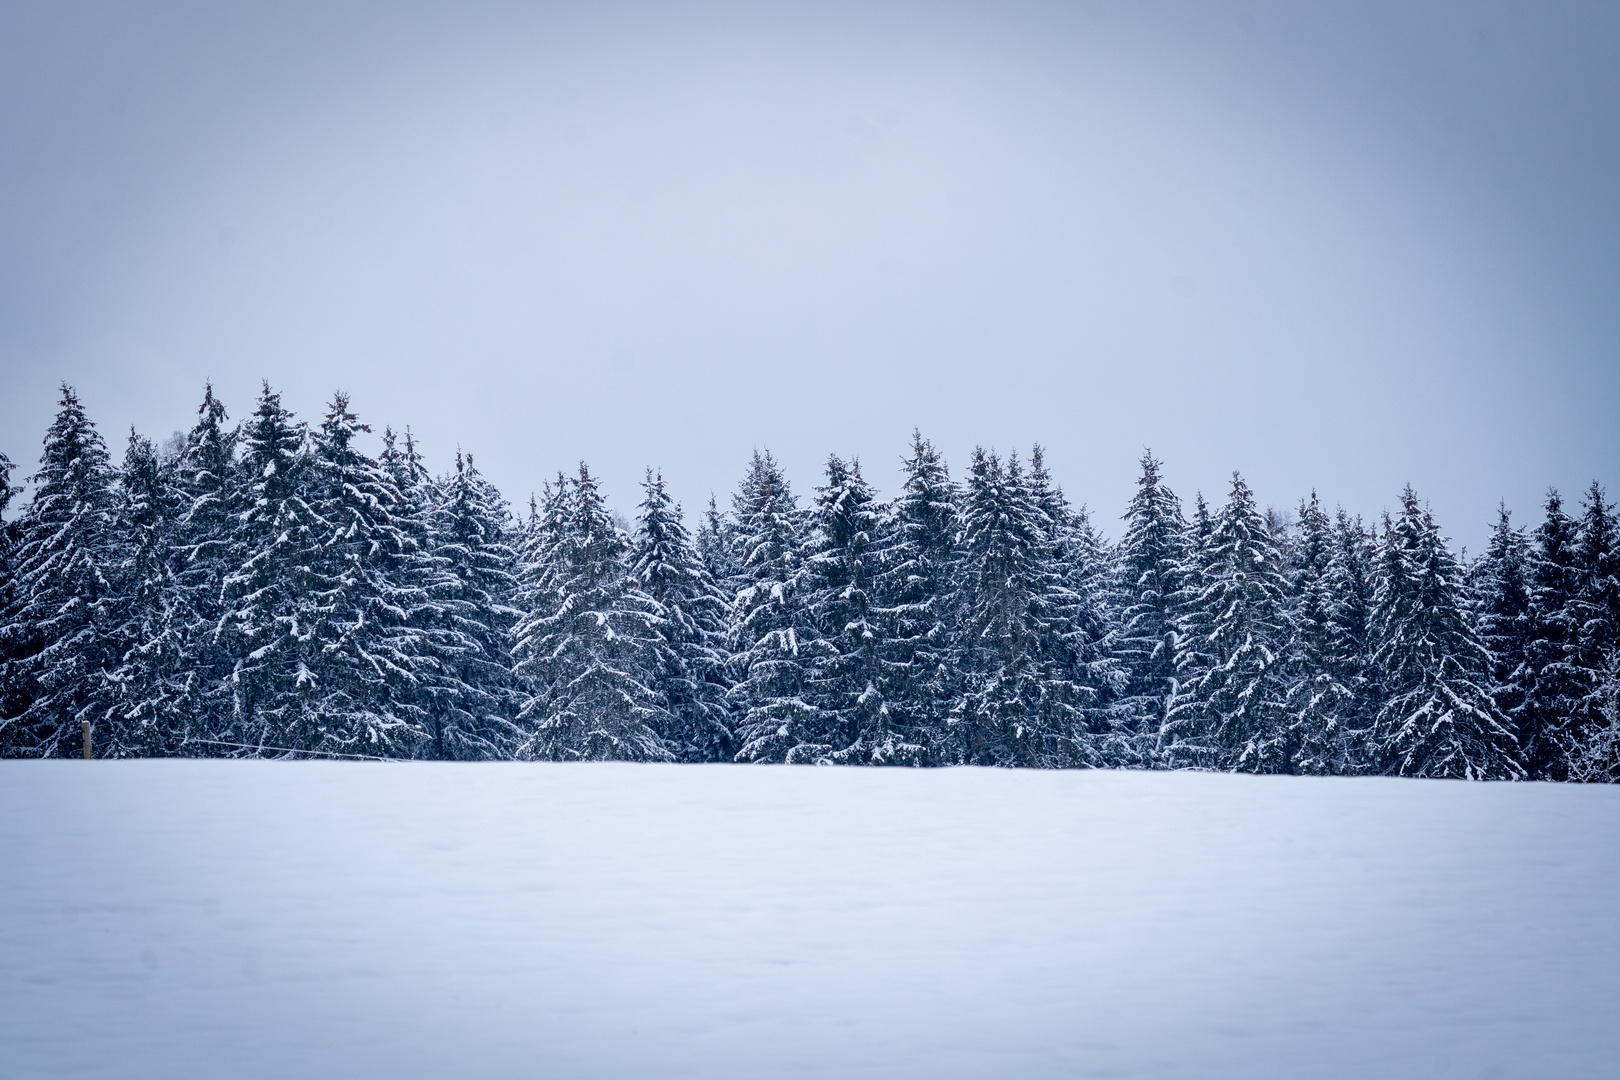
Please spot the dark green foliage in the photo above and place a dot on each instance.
(1020, 704)
(918, 606)
(840, 564)
(770, 622)
(60, 630)
(585, 645)
(688, 675)
(1152, 565)
(1230, 709)
(1553, 682)
(1437, 718)
(1321, 700)
(1500, 584)
(467, 573)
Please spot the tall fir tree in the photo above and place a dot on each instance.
(213, 491)
(770, 631)
(1553, 683)
(1438, 718)
(1021, 704)
(1595, 614)
(11, 699)
(60, 631)
(1152, 565)
(916, 558)
(1499, 581)
(366, 653)
(274, 550)
(1321, 704)
(688, 657)
(150, 681)
(1354, 587)
(467, 575)
(587, 643)
(1087, 629)
(1231, 707)
(840, 565)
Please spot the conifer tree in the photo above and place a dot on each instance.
(60, 629)
(212, 498)
(777, 721)
(688, 676)
(11, 699)
(1437, 718)
(917, 557)
(1085, 633)
(1230, 710)
(1353, 587)
(1321, 706)
(1501, 598)
(840, 563)
(1152, 564)
(586, 645)
(1595, 614)
(147, 716)
(1021, 705)
(363, 657)
(467, 576)
(1553, 683)
(274, 551)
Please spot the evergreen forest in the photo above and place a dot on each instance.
(265, 588)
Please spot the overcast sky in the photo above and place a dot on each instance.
(1342, 246)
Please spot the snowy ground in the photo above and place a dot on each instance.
(218, 919)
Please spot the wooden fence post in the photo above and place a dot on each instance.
(85, 727)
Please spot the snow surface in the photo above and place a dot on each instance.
(264, 919)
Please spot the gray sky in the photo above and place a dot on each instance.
(1345, 246)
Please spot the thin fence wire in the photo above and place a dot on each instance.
(291, 750)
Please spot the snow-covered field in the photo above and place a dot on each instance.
(224, 919)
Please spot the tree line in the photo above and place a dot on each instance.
(268, 589)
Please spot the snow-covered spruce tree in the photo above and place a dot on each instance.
(269, 613)
(213, 493)
(1187, 743)
(1152, 561)
(1500, 587)
(366, 651)
(468, 578)
(316, 620)
(60, 630)
(1352, 580)
(688, 655)
(1438, 718)
(1231, 708)
(446, 664)
(11, 699)
(1322, 709)
(1553, 680)
(1020, 705)
(769, 622)
(150, 682)
(840, 563)
(1595, 614)
(1088, 619)
(916, 558)
(586, 643)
